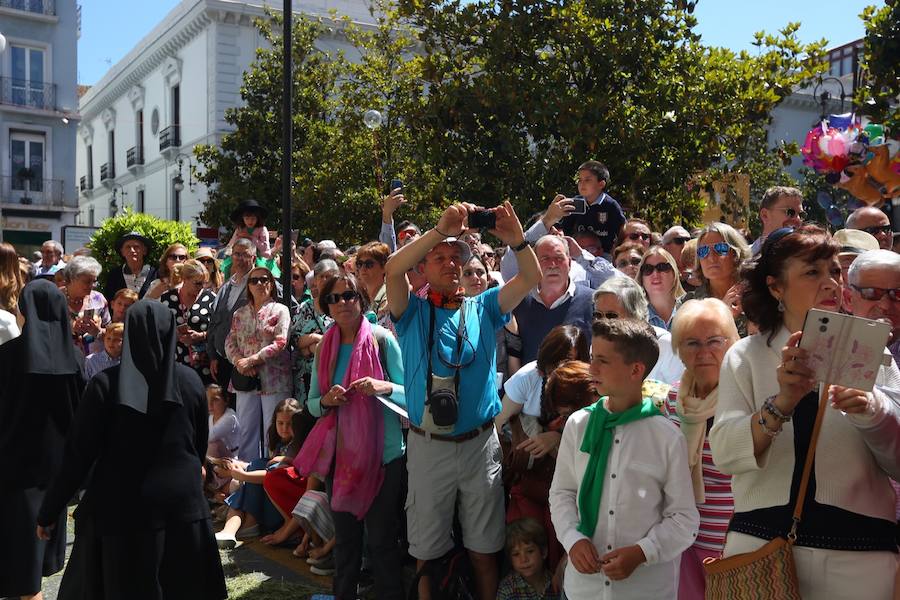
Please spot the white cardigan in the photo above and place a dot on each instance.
(854, 456)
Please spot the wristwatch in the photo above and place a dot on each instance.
(521, 246)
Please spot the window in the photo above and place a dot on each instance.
(139, 203)
(26, 158)
(139, 137)
(112, 153)
(91, 216)
(27, 82)
(176, 105)
(90, 167)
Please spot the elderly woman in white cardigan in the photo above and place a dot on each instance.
(846, 546)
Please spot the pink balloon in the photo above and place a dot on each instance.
(837, 146)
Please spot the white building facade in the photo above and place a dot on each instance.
(38, 120)
(141, 121)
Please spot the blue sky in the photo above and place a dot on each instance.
(110, 28)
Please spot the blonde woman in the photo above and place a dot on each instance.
(658, 276)
(174, 254)
(207, 256)
(192, 304)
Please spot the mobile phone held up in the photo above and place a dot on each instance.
(579, 204)
(483, 219)
(396, 184)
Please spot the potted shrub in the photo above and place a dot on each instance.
(26, 175)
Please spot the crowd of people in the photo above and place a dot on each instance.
(589, 409)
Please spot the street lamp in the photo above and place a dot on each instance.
(179, 180)
(825, 96)
(113, 205)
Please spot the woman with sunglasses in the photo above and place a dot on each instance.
(192, 305)
(370, 261)
(308, 326)
(627, 257)
(257, 347)
(174, 254)
(768, 402)
(720, 252)
(658, 276)
(359, 438)
(207, 257)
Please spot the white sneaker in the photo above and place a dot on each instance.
(226, 541)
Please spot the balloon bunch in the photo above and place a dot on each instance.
(853, 157)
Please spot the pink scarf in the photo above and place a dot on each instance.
(350, 437)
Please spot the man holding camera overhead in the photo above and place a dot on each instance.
(449, 360)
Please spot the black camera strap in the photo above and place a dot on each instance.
(460, 333)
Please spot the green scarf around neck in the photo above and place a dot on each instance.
(597, 441)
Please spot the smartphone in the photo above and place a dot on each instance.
(579, 204)
(844, 350)
(396, 184)
(483, 219)
(88, 314)
(295, 233)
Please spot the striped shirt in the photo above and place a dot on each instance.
(716, 510)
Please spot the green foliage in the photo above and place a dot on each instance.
(877, 97)
(503, 99)
(161, 232)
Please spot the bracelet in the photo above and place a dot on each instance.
(769, 432)
(773, 410)
(521, 246)
(441, 233)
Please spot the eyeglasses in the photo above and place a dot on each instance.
(348, 296)
(713, 344)
(259, 280)
(790, 213)
(240, 255)
(605, 315)
(875, 294)
(178, 257)
(636, 235)
(296, 276)
(621, 264)
(366, 264)
(662, 267)
(207, 260)
(721, 248)
(876, 229)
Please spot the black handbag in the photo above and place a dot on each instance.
(244, 383)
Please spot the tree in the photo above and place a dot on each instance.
(522, 91)
(878, 96)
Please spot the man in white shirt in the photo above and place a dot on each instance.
(51, 259)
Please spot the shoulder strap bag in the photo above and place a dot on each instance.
(769, 572)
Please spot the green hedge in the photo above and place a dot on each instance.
(162, 233)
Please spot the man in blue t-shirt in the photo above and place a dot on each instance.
(449, 358)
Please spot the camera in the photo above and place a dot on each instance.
(442, 406)
(579, 204)
(483, 219)
(396, 184)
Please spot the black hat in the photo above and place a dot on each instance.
(133, 235)
(248, 206)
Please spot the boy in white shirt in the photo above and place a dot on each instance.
(621, 499)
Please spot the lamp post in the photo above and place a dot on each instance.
(179, 179)
(287, 151)
(825, 96)
(113, 205)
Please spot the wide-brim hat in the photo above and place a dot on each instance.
(855, 241)
(248, 206)
(133, 235)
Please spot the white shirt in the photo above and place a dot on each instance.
(647, 500)
(226, 430)
(524, 387)
(669, 367)
(570, 291)
(9, 327)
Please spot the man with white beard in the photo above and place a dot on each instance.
(557, 300)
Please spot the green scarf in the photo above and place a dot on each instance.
(597, 442)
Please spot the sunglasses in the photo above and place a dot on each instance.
(876, 229)
(721, 248)
(605, 315)
(366, 264)
(790, 213)
(348, 296)
(636, 236)
(178, 257)
(621, 264)
(662, 267)
(259, 280)
(207, 260)
(875, 294)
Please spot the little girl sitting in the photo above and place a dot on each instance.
(249, 222)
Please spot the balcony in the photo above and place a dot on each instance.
(86, 185)
(134, 159)
(38, 7)
(107, 174)
(170, 140)
(39, 194)
(28, 94)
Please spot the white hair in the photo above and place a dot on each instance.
(57, 247)
(555, 239)
(631, 296)
(872, 259)
(82, 265)
(245, 243)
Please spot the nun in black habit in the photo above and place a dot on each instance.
(142, 529)
(40, 383)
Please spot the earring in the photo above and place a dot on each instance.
(780, 305)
